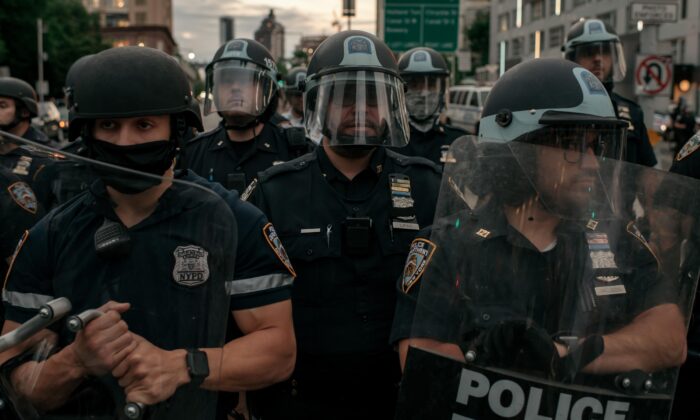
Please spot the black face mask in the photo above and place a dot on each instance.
(154, 157)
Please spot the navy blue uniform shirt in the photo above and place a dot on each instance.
(432, 144)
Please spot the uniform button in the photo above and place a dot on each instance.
(364, 318)
(485, 317)
(309, 251)
(294, 392)
(238, 168)
(355, 209)
(294, 382)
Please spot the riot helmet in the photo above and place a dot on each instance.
(22, 92)
(292, 80)
(594, 45)
(241, 83)
(132, 82)
(72, 76)
(353, 94)
(425, 73)
(569, 112)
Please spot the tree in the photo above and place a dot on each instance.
(478, 35)
(70, 33)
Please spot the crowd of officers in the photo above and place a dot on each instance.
(326, 199)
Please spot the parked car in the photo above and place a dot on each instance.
(464, 105)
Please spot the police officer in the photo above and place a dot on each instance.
(18, 104)
(425, 73)
(540, 276)
(242, 87)
(163, 247)
(347, 231)
(294, 96)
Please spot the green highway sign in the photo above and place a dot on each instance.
(413, 23)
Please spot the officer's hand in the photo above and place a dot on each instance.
(518, 344)
(105, 341)
(149, 374)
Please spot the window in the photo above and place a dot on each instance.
(140, 18)
(503, 22)
(531, 44)
(556, 37)
(609, 18)
(553, 7)
(536, 10)
(517, 49)
(474, 99)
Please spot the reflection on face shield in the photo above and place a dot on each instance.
(604, 59)
(576, 141)
(239, 90)
(423, 96)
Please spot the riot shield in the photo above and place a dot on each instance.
(536, 298)
(167, 251)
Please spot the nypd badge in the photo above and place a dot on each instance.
(359, 45)
(23, 195)
(276, 244)
(418, 258)
(191, 265)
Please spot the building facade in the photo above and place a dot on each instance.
(135, 22)
(524, 29)
(271, 35)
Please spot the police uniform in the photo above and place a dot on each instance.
(474, 269)
(58, 258)
(432, 145)
(347, 241)
(687, 162)
(236, 164)
(65, 177)
(639, 149)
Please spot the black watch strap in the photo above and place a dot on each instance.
(197, 366)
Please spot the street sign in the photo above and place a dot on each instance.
(349, 8)
(415, 23)
(42, 87)
(653, 75)
(654, 12)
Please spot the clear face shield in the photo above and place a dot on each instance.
(424, 96)
(605, 59)
(239, 89)
(357, 108)
(501, 329)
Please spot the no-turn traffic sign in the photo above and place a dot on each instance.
(653, 75)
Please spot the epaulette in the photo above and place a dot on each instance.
(403, 160)
(302, 162)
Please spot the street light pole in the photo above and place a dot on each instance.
(40, 56)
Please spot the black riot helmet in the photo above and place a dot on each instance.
(353, 94)
(425, 73)
(241, 83)
(594, 45)
(22, 92)
(569, 109)
(292, 80)
(131, 82)
(72, 76)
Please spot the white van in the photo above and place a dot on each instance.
(464, 105)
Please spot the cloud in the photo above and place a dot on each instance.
(196, 22)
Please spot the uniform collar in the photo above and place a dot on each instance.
(265, 140)
(376, 164)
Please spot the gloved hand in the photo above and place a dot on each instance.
(516, 344)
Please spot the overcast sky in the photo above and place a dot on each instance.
(196, 22)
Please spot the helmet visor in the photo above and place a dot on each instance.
(238, 88)
(357, 108)
(424, 95)
(607, 142)
(605, 59)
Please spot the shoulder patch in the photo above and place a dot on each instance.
(692, 145)
(419, 256)
(191, 265)
(276, 244)
(24, 196)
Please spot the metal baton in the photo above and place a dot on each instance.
(76, 323)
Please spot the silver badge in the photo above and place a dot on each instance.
(191, 266)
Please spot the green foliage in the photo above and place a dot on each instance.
(70, 33)
(478, 34)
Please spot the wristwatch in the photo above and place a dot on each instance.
(197, 366)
